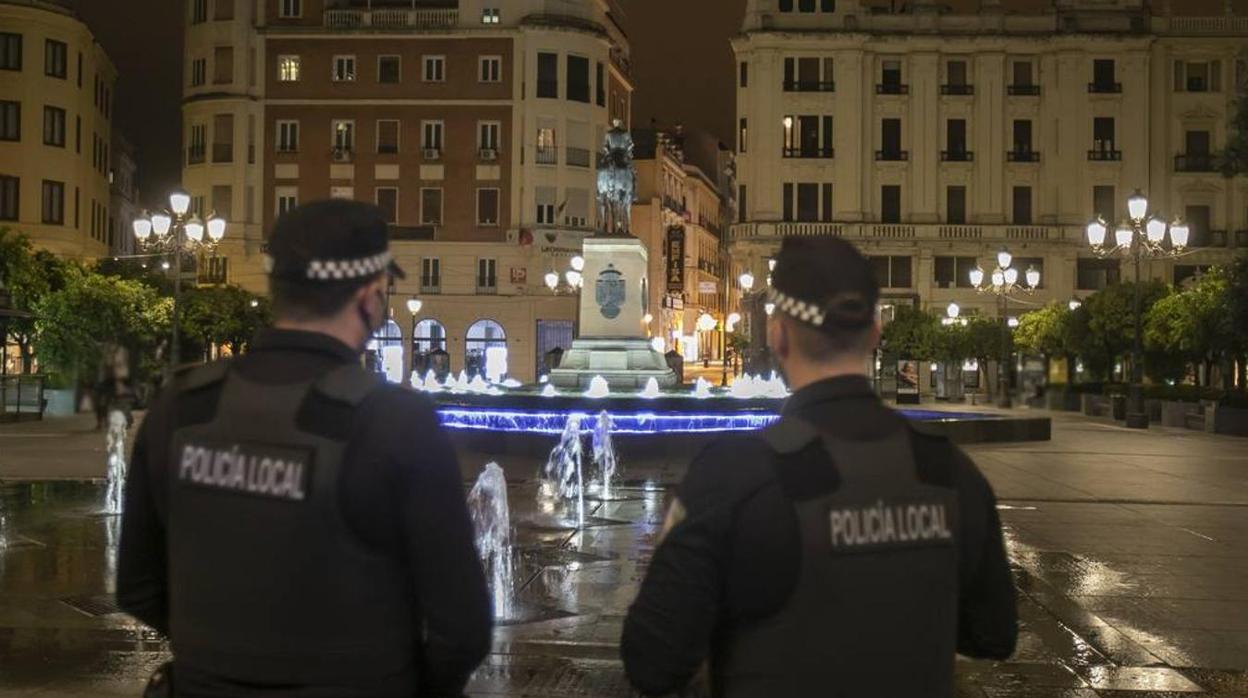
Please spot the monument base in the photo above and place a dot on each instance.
(625, 363)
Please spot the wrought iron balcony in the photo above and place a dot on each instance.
(577, 157)
(809, 153)
(956, 156)
(809, 86)
(891, 88)
(1022, 155)
(1023, 90)
(1105, 87)
(1105, 155)
(195, 154)
(1195, 162)
(391, 19)
(546, 156)
(892, 155)
(957, 90)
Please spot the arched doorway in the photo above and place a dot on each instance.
(385, 352)
(483, 336)
(429, 348)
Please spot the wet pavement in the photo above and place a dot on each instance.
(1128, 552)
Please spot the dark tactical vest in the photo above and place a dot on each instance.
(267, 585)
(874, 610)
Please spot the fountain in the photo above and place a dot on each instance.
(701, 389)
(563, 472)
(116, 478)
(491, 519)
(604, 453)
(598, 387)
(651, 390)
(549, 390)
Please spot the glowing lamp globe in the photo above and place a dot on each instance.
(161, 224)
(552, 280)
(771, 265)
(953, 310)
(578, 263)
(1012, 322)
(977, 277)
(1004, 258)
(1033, 277)
(1096, 232)
(769, 308)
(706, 323)
(998, 278)
(647, 319)
(1137, 205)
(574, 278)
(1011, 276)
(180, 202)
(1074, 304)
(1156, 230)
(142, 228)
(195, 229)
(1122, 235)
(414, 305)
(216, 228)
(746, 280)
(1179, 232)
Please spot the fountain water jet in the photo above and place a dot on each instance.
(604, 453)
(491, 519)
(563, 472)
(116, 477)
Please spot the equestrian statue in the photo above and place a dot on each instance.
(617, 181)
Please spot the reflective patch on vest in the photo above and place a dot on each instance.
(889, 523)
(264, 470)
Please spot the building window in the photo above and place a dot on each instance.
(431, 206)
(741, 203)
(199, 72)
(53, 202)
(578, 79)
(10, 121)
(809, 74)
(10, 198)
(389, 70)
(955, 141)
(223, 138)
(430, 275)
(491, 15)
(1105, 204)
(955, 79)
(288, 136)
(288, 68)
(77, 134)
(387, 199)
(287, 199)
(54, 126)
(223, 65)
(890, 140)
(199, 11)
(290, 9)
(743, 74)
(1022, 206)
(431, 138)
(546, 154)
(488, 138)
(197, 144)
(1103, 145)
(388, 136)
(344, 137)
(893, 271)
(487, 278)
(434, 68)
(1103, 78)
(890, 203)
(743, 132)
(954, 272)
(890, 78)
(344, 69)
(1197, 76)
(1096, 274)
(482, 336)
(955, 205)
(487, 207)
(1022, 136)
(491, 68)
(225, 10)
(55, 59)
(601, 95)
(223, 201)
(548, 75)
(10, 51)
(545, 213)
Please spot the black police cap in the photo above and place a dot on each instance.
(826, 283)
(329, 241)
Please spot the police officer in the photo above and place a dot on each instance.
(293, 525)
(841, 551)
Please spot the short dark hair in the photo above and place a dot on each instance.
(293, 300)
(830, 279)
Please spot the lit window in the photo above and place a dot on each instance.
(288, 9)
(288, 68)
(435, 68)
(344, 69)
(491, 15)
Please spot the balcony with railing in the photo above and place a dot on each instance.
(1105, 87)
(547, 155)
(577, 157)
(809, 86)
(891, 88)
(809, 153)
(957, 156)
(391, 18)
(1023, 90)
(892, 155)
(776, 231)
(1195, 162)
(1022, 155)
(195, 154)
(1105, 154)
(957, 90)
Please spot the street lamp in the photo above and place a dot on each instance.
(414, 305)
(1074, 304)
(1137, 237)
(1004, 283)
(177, 233)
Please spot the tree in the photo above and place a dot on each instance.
(1104, 325)
(28, 274)
(983, 341)
(91, 314)
(1045, 332)
(224, 315)
(909, 334)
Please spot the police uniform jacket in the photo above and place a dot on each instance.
(249, 557)
(733, 581)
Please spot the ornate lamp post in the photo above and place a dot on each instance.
(575, 281)
(178, 232)
(1002, 283)
(1136, 237)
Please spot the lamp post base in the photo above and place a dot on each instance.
(1137, 420)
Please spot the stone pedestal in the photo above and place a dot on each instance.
(612, 341)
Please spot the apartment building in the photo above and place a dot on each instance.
(932, 136)
(56, 107)
(474, 125)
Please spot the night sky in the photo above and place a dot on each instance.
(682, 66)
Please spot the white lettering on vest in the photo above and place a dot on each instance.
(235, 469)
(887, 523)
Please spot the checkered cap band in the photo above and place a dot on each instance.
(339, 269)
(809, 313)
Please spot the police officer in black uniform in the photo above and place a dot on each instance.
(293, 525)
(842, 551)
